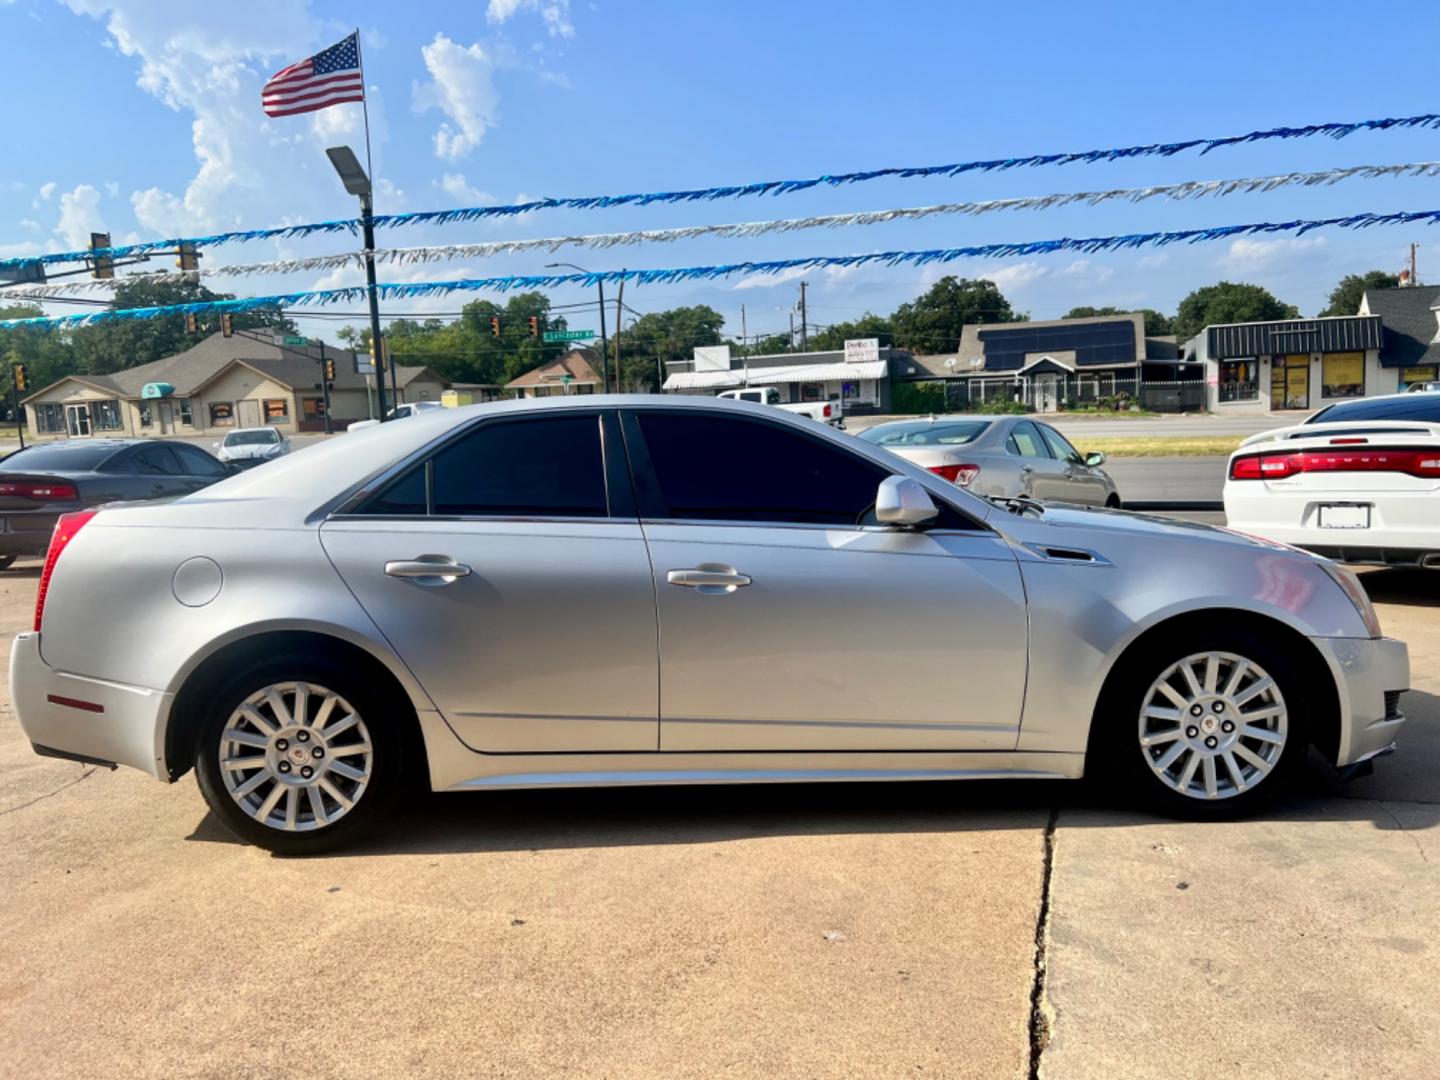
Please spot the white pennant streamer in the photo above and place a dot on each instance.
(1190, 189)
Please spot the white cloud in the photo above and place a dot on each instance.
(555, 13)
(462, 86)
(455, 185)
(1017, 275)
(112, 189)
(80, 216)
(46, 190)
(829, 277)
(1249, 255)
(31, 224)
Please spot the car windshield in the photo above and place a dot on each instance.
(64, 458)
(251, 438)
(926, 433)
(1424, 408)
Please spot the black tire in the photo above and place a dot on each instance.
(379, 712)
(1113, 502)
(1117, 757)
(7, 561)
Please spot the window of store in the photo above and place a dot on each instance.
(277, 409)
(1239, 380)
(222, 414)
(185, 415)
(144, 409)
(1426, 373)
(1342, 375)
(1290, 381)
(313, 408)
(50, 419)
(812, 391)
(105, 416)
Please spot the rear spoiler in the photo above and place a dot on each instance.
(1338, 428)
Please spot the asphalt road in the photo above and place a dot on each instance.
(1172, 479)
(837, 931)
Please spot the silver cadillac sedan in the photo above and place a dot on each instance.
(1002, 456)
(647, 590)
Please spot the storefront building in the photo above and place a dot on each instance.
(1411, 315)
(1299, 364)
(858, 375)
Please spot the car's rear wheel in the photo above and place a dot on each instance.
(297, 753)
(1113, 502)
(1207, 726)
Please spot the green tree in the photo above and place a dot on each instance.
(835, 336)
(654, 340)
(1156, 324)
(931, 323)
(1228, 302)
(1345, 297)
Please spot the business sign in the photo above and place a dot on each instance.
(712, 358)
(862, 350)
(569, 335)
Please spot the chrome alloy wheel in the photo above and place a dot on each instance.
(1213, 725)
(296, 756)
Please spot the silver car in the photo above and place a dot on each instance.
(646, 590)
(1004, 456)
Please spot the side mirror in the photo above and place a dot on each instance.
(1095, 460)
(901, 501)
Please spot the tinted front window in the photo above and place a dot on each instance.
(540, 467)
(196, 462)
(730, 469)
(154, 461)
(926, 433)
(60, 458)
(1421, 408)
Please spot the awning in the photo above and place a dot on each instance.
(802, 373)
(704, 380)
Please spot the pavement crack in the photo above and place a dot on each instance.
(40, 798)
(1041, 1013)
(1401, 826)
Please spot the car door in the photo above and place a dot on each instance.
(158, 472)
(788, 624)
(1041, 476)
(509, 572)
(1081, 483)
(199, 469)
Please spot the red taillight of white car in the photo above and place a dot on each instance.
(65, 530)
(1423, 463)
(956, 474)
(43, 491)
(827, 412)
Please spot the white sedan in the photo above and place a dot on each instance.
(245, 447)
(1358, 482)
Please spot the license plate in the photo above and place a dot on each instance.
(1344, 517)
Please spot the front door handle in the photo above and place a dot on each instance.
(428, 569)
(709, 578)
(1027, 468)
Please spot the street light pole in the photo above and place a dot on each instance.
(604, 345)
(357, 183)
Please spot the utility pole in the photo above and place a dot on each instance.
(619, 309)
(1413, 279)
(604, 347)
(804, 324)
(357, 183)
(792, 331)
(744, 335)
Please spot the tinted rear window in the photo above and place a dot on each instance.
(59, 458)
(925, 433)
(1419, 407)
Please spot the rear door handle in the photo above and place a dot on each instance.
(710, 578)
(428, 569)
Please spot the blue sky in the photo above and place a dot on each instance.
(142, 117)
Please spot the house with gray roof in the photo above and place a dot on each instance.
(249, 379)
(1411, 345)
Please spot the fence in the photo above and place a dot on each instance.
(1045, 394)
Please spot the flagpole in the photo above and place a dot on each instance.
(364, 106)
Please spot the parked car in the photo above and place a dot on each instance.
(1000, 456)
(826, 412)
(1423, 388)
(776, 601)
(42, 482)
(247, 447)
(1359, 482)
(400, 412)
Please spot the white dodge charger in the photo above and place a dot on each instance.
(1358, 482)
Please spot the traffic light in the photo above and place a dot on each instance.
(378, 361)
(101, 266)
(192, 323)
(189, 258)
(534, 326)
(494, 325)
(329, 370)
(227, 324)
(20, 377)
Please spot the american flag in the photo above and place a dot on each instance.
(325, 79)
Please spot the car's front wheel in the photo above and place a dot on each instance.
(1210, 727)
(293, 757)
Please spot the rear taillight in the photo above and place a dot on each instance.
(956, 474)
(827, 412)
(1423, 463)
(65, 530)
(40, 491)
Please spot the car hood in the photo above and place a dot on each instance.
(1063, 523)
(244, 453)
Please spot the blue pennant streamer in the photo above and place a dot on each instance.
(395, 291)
(1334, 130)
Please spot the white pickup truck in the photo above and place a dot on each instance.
(400, 412)
(826, 412)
